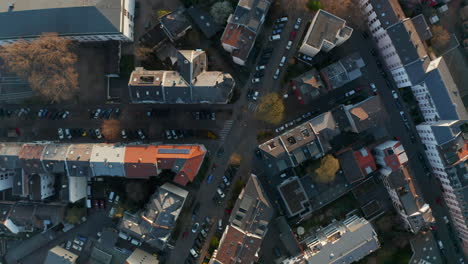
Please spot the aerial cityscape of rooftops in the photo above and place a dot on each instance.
(234, 131)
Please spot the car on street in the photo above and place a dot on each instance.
(275, 37)
(97, 132)
(446, 220)
(76, 247)
(69, 244)
(203, 233)
(220, 193)
(255, 80)
(193, 253)
(67, 133)
(282, 19)
(259, 73)
(279, 26)
(226, 181)
(277, 31)
(394, 94)
(276, 75)
(403, 116)
(292, 35)
(255, 95)
(209, 179)
(350, 93)
(298, 23)
(195, 227)
(141, 134)
(288, 46)
(220, 224)
(279, 129)
(60, 133)
(258, 153)
(306, 58)
(373, 87)
(260, 68)
(124, 134)
(97, 113)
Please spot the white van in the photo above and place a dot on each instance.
(88, 190)
(275, 37)
(193, 253)
(88, 203)
(283, 175)
(123, 236)
(282, 61)
(135, 242)
(111, 197)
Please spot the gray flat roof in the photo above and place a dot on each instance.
(326, 27)
(31, 18)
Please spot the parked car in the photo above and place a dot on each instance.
(403, 116)
(220, 193)
(298, 23)
(67, 133)
(220, 224)
(277, 31)
(350, 93)
(255, 80)
(226, 180)
(282, 19)
(260, 67)
(373, 87)
(97, 132)
(193, 253)
(195, 227)
(141, 134)
(255, 96)
(124, 134)
(259, 73)
(275, 37)
(279, 129)
(60, 133)
(292, 35)
(288, 46)
(276, 75)
(395, 94)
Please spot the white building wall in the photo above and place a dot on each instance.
(425, 102)
(47, 185)
(6, 179)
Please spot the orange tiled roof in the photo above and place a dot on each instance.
(236, 246)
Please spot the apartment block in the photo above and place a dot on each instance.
(446, 146)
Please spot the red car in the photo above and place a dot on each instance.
(293, 35)
(95, 204)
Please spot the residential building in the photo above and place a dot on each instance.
(438, 96)
(446, 148)
(406, 199)
(139, 256)
(398, 40)
(248, 225)
(325, 32)
(9, 155)
(6, 179)
(391, 155)
(326, 129)
(98, 20)
(191, 84)
(357, 164)
(144, 161)
(108, 160)
(343, 71)
(293, 147)
(22, 216)
(59, 255)
(340, 242)
(294, 197)
(154, 225)
(77, 188)
(41, 186)
(175, 24)
(78, 160)
(425, 249)
(54, 157)
(308, 86)
(366, 114)
(243, 27)
(30, 158)
(205, 21)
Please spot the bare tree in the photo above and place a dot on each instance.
(143, 53)
(440, 37)
(47, 63)
(111, 129)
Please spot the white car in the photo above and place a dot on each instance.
(124, 134)
(168, 134)
(65, 114)
(75, 246)
(67, 133)
(348, 94)
(446, 220)
(140, 134)
(60, 133)
(279, 129)
(220, 193)
(259, 68)
(97, 131)
(288, 46)
(255, 80)
(193, 253)
(226, 181)
(374, 89)
(298, 23)
(395, 94)
(277, 73)
(96, 114)
(255, 96)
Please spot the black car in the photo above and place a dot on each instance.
(258, 153)
(259, 74)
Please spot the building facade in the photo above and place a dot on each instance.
(446, 146)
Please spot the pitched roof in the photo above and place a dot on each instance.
(175, 23)
(294, 196)
(357, 164)
(9, 154)
(30, 158)
(78, 158)
(237, 246)
(140, 161)
(365, 114)
(204, 21)
(239, 37)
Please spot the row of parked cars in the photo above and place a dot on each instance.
(201, 237)
(177, 133)
(69, 133)
(77, 244)
(224, 185)
(104, 113)
(53, 114)
(296, 121)
(204, 115)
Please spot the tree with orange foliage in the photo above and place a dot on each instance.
(440, 37)
(110, 129)
(47, 63)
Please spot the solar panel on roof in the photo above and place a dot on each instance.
(173, 151)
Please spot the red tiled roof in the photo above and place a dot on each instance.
(237, 247)
(365, 161)
(140, 161)
(30, 158)
(241, 38)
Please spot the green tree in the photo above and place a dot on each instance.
(326, 173)
(314, 5)
(214, 244)
(271, 109)
(162, 12)
(74, 214)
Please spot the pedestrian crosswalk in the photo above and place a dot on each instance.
(252, 107)
(226, 129)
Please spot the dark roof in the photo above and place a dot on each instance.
(175, 23)
(367, 114)
(388, 12)
(204, 21)
(407, 43)
(350, 167)
(154, 37)
(421, 26)
(65, 21)
(294, 196)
